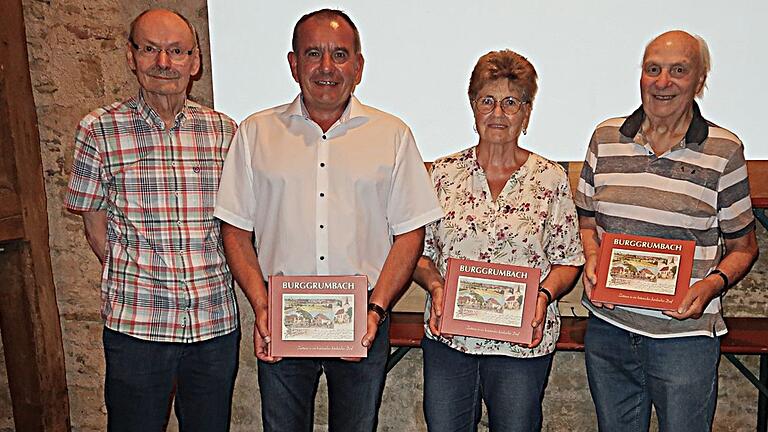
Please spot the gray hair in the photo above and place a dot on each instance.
(706, 62)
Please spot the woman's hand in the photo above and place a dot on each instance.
(436, 291)
(539, 320)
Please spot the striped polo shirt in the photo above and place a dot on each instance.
(698, 191)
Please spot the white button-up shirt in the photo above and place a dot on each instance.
(325, 203)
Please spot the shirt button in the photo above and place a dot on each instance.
(178, 222)
(322, 258)
(324, 137)
(322, 164)
(322, 226)
(196, 169)
(322, 194)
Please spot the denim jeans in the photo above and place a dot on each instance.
(629, 373)
(288, 390)
(456, 382)
(141, 375)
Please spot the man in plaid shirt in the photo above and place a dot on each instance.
(144, 180)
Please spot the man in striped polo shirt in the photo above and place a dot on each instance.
(666, 172)
(144, 179)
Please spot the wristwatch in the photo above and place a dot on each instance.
(379, 311)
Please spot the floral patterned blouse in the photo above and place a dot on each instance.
(531, 223)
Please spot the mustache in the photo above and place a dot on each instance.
(159, 72)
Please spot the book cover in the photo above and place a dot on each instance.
(318, 316)
(646, 272)
(490, 301)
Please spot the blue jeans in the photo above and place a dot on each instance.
(288, 390)
(141, 375)
(456, 382)
(628, 373)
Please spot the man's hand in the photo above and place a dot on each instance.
(697, 299)
(370, 335)
(539, 320)
(95, 224)
(591, 242)
(589, 279)
(261, 336)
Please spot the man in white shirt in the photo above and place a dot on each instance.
(326, 186)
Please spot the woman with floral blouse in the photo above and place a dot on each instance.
(502, 204)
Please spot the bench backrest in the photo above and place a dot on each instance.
(757, 169)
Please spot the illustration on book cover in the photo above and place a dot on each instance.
(489, 301)
(643, 271)
(318, 317)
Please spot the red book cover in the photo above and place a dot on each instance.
(318, 316)
(646, 272)
(490, 301)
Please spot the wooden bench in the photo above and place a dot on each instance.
(745, 336)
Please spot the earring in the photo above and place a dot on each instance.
(525, 131)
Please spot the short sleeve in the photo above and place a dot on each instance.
(85, 191)
(734, 205)
(561, 232)
(236, 198)
(412, 200)
(586, 186)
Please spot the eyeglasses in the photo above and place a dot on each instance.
(177, 55)
(509, 105)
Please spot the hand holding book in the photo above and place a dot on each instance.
(697, 299)
(542, 304)
(261, 334)
(427, 275)
(589, 278)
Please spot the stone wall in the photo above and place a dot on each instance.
(77, 63)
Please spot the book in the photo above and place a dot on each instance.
(645, 272)
(318, 316)
(490, 301)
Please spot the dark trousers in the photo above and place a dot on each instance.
(628, 373)
(141, 375)
(456, 383)
(288, 390)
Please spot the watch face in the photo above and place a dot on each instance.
(379, 311)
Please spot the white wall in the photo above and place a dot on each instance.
(419, 55)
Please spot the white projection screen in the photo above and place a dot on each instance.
(419, 54)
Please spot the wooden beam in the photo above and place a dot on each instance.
(29, 316)
(33, 353)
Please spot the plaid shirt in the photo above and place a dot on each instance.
(165, 277)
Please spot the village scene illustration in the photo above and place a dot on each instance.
(318, 317)
(643, 271)
(493, 302)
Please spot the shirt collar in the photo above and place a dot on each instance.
(698, 130)
(149, 115)
(354, 112)
(519, 173)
